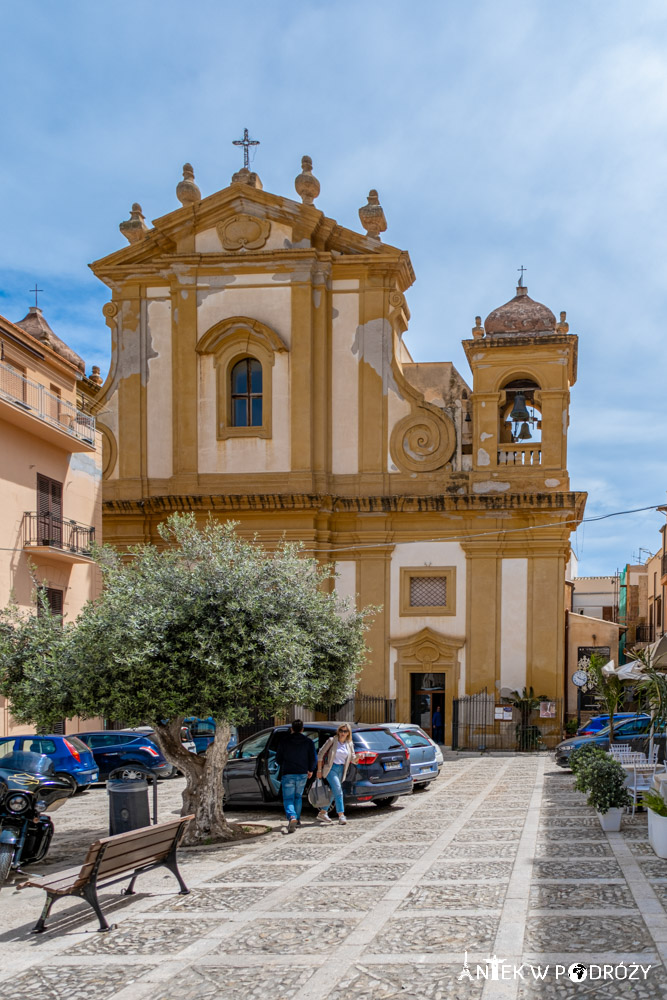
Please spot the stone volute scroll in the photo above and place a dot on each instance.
(134, 229)
(423, 441)
(187, 191)
(306, 184)
(372, 216)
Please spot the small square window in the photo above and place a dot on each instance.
(428, 590)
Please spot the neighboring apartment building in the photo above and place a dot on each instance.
(50, 475)
(260, 374)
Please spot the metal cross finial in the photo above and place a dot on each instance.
(35, 290)
(246, 142)
(521, 269)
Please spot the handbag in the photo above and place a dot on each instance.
(319, 795)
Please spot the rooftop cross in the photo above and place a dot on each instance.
(35, 290)
(246, 142)
(521, 269)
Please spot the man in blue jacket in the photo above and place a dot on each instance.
(297, 760)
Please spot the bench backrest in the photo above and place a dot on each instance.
(126, 851)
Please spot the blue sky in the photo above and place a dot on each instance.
(497, 135)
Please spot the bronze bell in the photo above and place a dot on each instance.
(519, 410)
(524, 433)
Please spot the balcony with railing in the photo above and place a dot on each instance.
(645, 633)
(23, 402)
(663, 569)
(57, 538)
(520, 454)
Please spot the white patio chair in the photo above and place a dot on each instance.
(642, 781)
(617, 750)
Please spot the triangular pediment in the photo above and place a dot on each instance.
(241, 220)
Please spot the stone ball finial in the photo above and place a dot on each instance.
(95, 375)
(306, 184)
(563, 326)
(372, 216)
(187, 191)
(134, 229)
(478, 329)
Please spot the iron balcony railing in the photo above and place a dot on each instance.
(664, 564)
(34, 398)
(645, 633)
(57, 532)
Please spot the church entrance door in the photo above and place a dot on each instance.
(428, 700)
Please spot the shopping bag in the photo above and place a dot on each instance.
(319, 795)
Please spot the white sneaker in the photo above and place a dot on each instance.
(342, 821)
(323, 817)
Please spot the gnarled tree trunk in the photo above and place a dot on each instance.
(203, 792)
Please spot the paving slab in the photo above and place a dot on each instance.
(499, 866)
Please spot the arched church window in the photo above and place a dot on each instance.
(246, 393)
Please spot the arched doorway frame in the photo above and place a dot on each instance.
(427, 651)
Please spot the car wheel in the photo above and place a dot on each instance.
(385, 803)
(62, 776)
(130, 772)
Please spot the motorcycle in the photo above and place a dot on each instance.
(28, 787)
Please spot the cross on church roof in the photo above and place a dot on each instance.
(521, 269)
(246, 142)
(35, 290)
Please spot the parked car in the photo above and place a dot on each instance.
(134, 752)
(72, 760)
(423, 761)
(598, 722)
(634, 731)
(380, 776)
(186, 735)
(203, 733)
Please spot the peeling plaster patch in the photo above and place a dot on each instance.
(565, 422)
(478, 357)
(483, 457)
(184, 275)
(87, 464)
(461, 491)
(485, 436)
(561, 361)
(373, 344)
(335, 314)
(184, 294)
(563, 350)
(283, 276)
(317, 298)
(393, 468)
(490, 487)
(299, 245)
(552, 482)
(483, 404)
(218, 281)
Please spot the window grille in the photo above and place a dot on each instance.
(428, 591)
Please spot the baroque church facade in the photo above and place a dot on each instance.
(260, 374)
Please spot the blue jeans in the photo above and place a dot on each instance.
(293, 786)
(334, 781)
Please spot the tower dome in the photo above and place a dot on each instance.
(521, 315)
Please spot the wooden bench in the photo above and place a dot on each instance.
(111, 860)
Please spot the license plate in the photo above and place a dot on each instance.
(392, 765)
(428, 767)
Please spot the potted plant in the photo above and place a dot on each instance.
(605, 779)
(579, 761)
(657, 822)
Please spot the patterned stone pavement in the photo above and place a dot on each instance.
(499, 857)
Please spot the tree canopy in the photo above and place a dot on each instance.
(208, 625)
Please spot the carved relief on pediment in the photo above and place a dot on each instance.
(243, 232)
(423, 441)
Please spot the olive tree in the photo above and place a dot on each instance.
(208, 625)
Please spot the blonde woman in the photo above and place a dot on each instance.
(333, 762)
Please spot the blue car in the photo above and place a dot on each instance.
(598, 722)
(634, 731)
(132, 752)
(72, 760)
(203, 733)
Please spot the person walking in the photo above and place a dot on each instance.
(436, 723)
(297, 760)
(333, 762)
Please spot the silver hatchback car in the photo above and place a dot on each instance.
(424, 765)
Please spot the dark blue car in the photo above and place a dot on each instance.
(72, 760)
(133, 752)
(635, 732)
